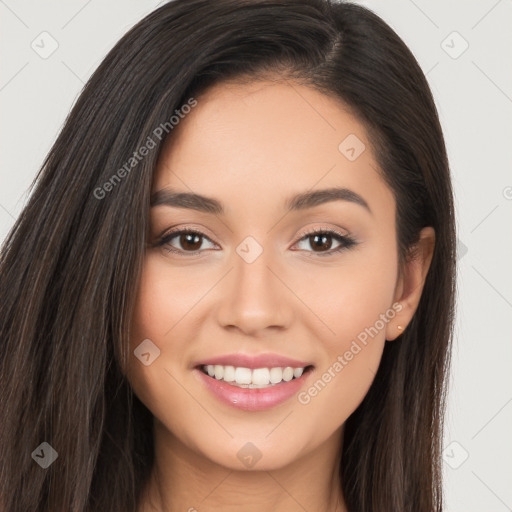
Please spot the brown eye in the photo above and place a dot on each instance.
(190, 241)
(184, 241)
(321, 242)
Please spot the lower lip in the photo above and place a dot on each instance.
(253, 399)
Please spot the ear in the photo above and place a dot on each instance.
(411, 281)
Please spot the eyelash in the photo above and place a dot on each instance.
(345, 241)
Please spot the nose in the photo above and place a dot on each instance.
(253, 298)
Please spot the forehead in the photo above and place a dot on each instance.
(261, 141)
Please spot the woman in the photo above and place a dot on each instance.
(232, 287)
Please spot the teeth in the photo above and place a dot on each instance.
(243, 376)
(261, 376)
(257, 378)
(297, 372)
(229, 373)
(276, 375)
(218, 371)
(288, 374)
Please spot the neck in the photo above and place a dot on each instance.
(183, 480)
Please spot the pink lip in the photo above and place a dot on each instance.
(253, 399)
(255, 361)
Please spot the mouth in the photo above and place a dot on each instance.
(253, 389)
(257, 378)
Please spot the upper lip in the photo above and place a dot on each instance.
(254, 361)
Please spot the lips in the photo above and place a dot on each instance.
(258, 396)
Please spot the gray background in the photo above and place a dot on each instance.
(473, 90)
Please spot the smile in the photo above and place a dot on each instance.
(257, 388)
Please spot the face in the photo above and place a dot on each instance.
(264, 282)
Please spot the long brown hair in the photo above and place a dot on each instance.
(70, 267)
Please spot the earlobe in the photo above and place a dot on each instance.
(397, 332)
(411, 282)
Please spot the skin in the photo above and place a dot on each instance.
(252, 146)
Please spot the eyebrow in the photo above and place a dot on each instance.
(302, 201)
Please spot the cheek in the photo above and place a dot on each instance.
(166, 295)
(354, 303)
(161, 302)
(163, 312)
(349, 299)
